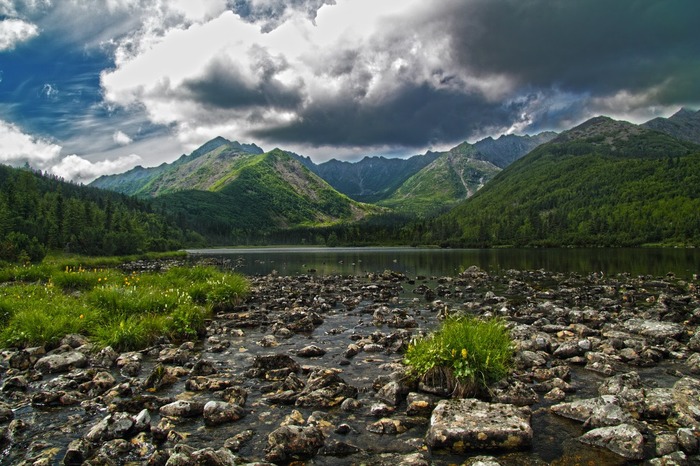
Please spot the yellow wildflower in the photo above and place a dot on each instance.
(464, 353)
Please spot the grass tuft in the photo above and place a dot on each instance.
(464, 356)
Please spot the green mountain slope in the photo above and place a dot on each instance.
(605, 182)
(452, 177)
(259, 194)
(198, 170)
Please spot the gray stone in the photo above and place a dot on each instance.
(392, 393)
(654, 329)
(470, 424)
(624, 440)
(62, 362)
(595, 412)
(687, 440)
(666, 443)
(182, 408)
(289, 443)
(676, 458)
(686, 399)
(220, 412)
(311, 351)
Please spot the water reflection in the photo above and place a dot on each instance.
(445, 262)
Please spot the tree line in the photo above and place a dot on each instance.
(39, 212)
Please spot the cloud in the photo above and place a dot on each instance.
(364, 75)
(15, 31)
(121, 138)
(79, 169)
(17, 148)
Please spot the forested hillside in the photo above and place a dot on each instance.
(604, 183)
(39, 212)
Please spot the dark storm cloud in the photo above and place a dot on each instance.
(224, 86)
(417, 115)
(561, 59)
(593, 46)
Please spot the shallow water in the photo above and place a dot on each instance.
(449, 262)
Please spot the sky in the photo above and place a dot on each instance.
(93, 87)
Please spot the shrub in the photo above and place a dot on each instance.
(464, 356)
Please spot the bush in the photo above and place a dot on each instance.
(464, 356)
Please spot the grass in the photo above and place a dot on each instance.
(464, 356)
(41, 304)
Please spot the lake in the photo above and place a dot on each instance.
(684, 263)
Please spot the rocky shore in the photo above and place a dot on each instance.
(308, 371)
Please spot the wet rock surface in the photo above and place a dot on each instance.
(308, 369)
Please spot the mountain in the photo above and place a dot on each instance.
(372, 178)
(508, 148)
(602, 183)
(255, 195)
(377, 179)
(684, 125)
(452, 177)
(187, 172)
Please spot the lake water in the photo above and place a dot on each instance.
(684, 263)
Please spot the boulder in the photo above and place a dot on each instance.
(220, 412)
(469, 424)
(182, 408)
(289, 443)
(61, 362)
(624, 440)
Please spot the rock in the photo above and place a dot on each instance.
(380, 410)
(273, 367)
(686, 399)
(220, 412)
(387, 426)
(61, 362)
(515, 392)
(236, 442)
(687, 440)
(161, 376)
(325, 389)
(654, 330)
(17, 383)
(624, 440)
(693, 363)
(657, 403)
(311, 351)
(392, 393)
(105, 358)
(185, 455)
(290, 443)
(114, 426)
(202, 368)
(482, 461)
(470, 424)
(77, 452)
(666, 443)
(676, 458)
(182, 408)
(595, 412)
(20, 360)
(419, 404)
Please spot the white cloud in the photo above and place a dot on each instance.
(16, 147)
(15, 31)
(76, 168)
(121, 138)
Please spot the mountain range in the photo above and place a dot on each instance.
(514, 184)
